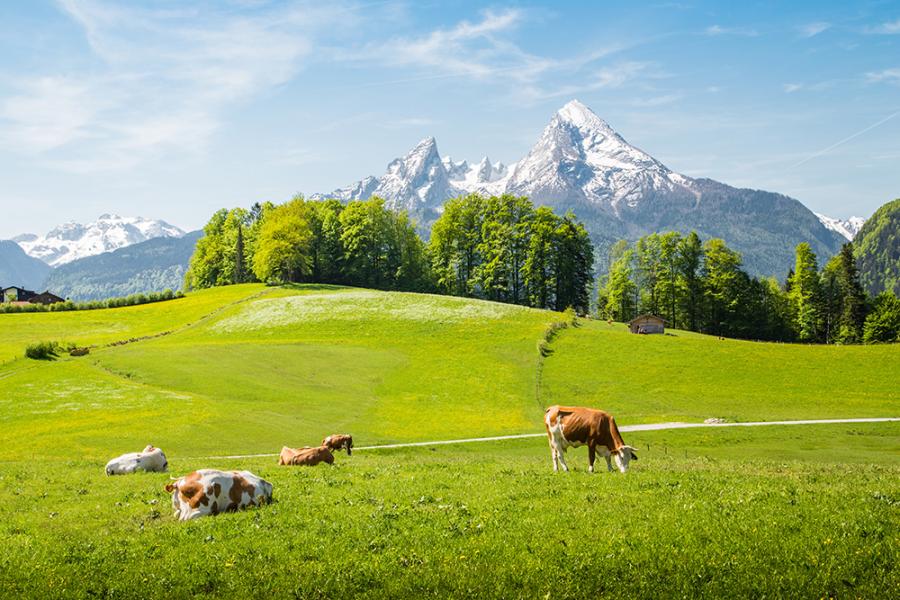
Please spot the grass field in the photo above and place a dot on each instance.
(801, 511)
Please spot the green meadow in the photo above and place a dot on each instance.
(799, 511)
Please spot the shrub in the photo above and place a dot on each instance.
(42, 351)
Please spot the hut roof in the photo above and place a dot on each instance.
(647, 316)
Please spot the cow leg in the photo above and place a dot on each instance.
(608, 463)
(592, 454)
(562, 459)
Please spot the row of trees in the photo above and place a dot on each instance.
(361, 243)
(498, 248)
(505, 249)
(700, 286)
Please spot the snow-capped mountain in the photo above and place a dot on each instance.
(581, 163)
(71, 241)
(846, 227)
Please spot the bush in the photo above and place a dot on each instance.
(42, 351)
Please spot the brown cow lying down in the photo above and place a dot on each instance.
(307, 457)
(573, 426)
(339, 442)
(209, 492)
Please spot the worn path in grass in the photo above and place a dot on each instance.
(625, 428)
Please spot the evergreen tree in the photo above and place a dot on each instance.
(806, 295)
(690, 282)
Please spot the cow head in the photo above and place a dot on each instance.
(623, 456)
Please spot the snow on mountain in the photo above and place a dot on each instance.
(71, 241)
(579, 157)
(846, 227)
(618, 191)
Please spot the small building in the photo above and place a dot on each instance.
(46, 297)
(647, 324)
(15, 294)
(18, 295)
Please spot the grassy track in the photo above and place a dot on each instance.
(777, 511)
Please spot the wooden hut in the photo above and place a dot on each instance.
(647, 324)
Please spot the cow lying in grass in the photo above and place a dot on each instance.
(209, 492)
(150, 459)
(575, 426)
(307, 457)
(339, 442)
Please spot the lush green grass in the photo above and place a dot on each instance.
(688, 377)
(486, 520)
(779, 511)
(114, 324)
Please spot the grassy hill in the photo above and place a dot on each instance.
(247, 369)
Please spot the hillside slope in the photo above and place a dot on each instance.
(285, 366)
(17, 268)
(877, 249)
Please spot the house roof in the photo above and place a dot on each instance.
(647, 316)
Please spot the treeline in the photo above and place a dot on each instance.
(505, 249)
(118, 302)
(700, 286)
(498, 248)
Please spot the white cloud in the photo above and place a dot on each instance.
(658, 100)
(889, 28)
(165, 79)
(813, 29)
(717, 30)
(885, 76)
(790, 88)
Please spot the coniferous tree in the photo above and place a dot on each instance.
(806, 295)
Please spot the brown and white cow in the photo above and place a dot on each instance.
(339, 442)
(209, 492)
(150, 459)
(572, 426)
(306, 457)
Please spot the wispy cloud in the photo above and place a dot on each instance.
(790, 88)
(813, 29)
(717, 30)
(484, 51)
(885, 76)
(164, 82)
(888, 28)
(658, 100)
(846, 139)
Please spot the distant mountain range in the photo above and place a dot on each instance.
(581, 164)
(112, 256)
(19, 269)
(71, 241)
(150, 266)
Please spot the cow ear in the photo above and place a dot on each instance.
(170, 487)
(633, 455)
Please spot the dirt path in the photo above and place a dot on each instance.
(625, 428)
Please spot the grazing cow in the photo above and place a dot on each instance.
(150, 459)
(306, 457)
(339, 442)
(209, 492)
(596, 429)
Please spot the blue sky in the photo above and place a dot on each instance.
(173, 109)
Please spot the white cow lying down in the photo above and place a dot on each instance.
(209, 492)
(150, 459)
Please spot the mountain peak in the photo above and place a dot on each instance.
(582, 117)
